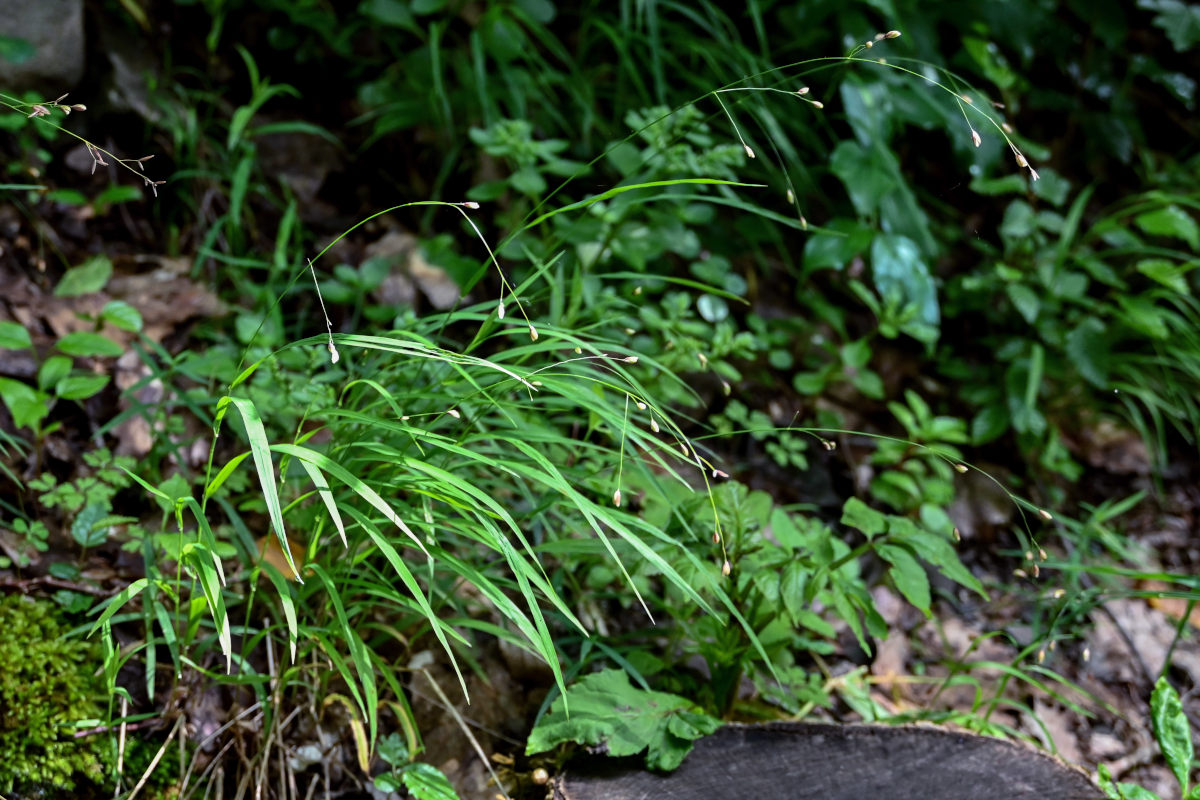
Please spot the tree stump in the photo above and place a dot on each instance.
(801, 761)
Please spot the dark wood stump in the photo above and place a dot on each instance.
(800, 761)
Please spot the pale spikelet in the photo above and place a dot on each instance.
(803, 223)
(749, 151)
(637, 290)
(791, 197)
(683, 448)
(617, 498)
(829, 444)
(1033, 173)
(720, 473)
(1087, 654)
(1058, 594)
(1041, 554)
(868, 44)
(630, 359)
(716, 537)
(1037, 571)
(1004, 126)
(1021, 162)
(961, 468)
(803, 90)
(500, 310)
(630, 331)
(1044, 514)
(454, 413)
(816, 104)
(892, 35)
(703, 359)
(471, 204)
(654, 425)
(957, 534)
(641, 406)
(1020, 573)
(533, 334)
(967, 99)
(1041, 656)
(333, 353)
(1029, 555)
(975, 137)
(578, 351)
(726, 568)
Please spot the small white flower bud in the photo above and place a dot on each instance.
(654, 425)
(749, 152)
(975, 137)
(471, 204)
(617, 498)
(726, 568)
(533, 334)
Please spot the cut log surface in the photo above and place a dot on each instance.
(799, 761)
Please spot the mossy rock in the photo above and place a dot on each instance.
(47, 682)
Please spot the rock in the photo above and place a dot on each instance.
(54, 30)
(798, 761)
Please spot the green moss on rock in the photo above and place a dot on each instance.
(46, 683)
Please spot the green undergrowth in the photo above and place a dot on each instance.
(651, 260)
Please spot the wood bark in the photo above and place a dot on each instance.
(801, 761)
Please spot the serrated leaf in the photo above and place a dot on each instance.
(1172, 730)
(14, 336)
(90, 276)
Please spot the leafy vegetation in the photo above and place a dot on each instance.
(663, 258)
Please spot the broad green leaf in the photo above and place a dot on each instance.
(908, 575)
(84, 343)
(14, 336)
(1171, 221)
(84, 529)
(53, 370)
(80, 387)
(858, 514)
(90, 276)
(866, 180)
(1087, 349)
(605, 709)
(27, 405)
(1173, 731)
(1168, 273)
(122, 315)
(427, 782)
(899, 269)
